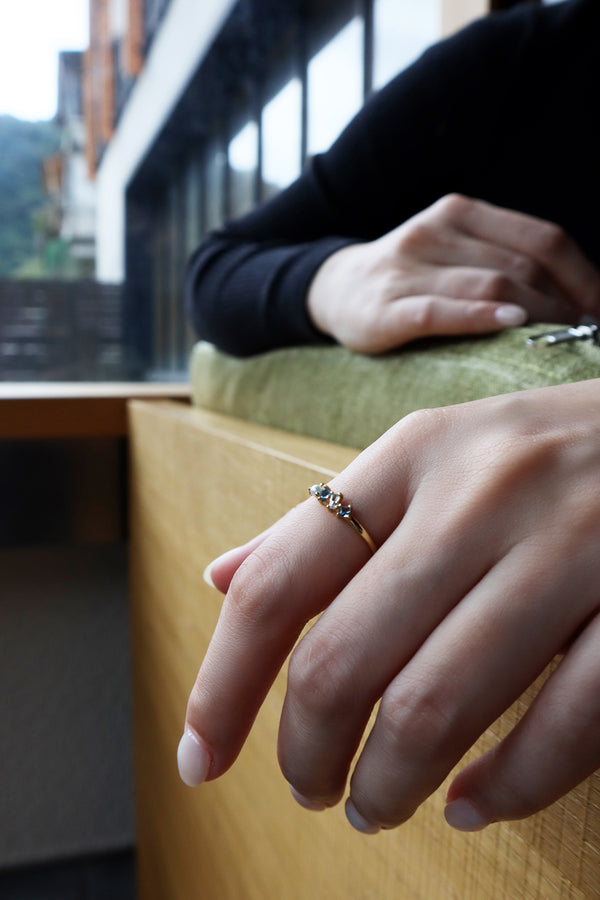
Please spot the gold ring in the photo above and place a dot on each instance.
(333, 502)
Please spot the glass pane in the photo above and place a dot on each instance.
(215, 186)
(193, 205)
(402, 30)
(282, 138)
(335, 86)
(243, 162)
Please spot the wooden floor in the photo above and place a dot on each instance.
(110, 877)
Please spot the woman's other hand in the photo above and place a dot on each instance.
(461, 266)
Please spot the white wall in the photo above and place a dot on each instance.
(184, 37)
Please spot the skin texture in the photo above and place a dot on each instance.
(487, 520)
(461, 266)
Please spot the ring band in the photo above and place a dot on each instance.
(333, 502)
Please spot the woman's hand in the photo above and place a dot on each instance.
(459, 267)
(487, 520)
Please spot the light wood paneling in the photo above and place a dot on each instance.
(201, 483)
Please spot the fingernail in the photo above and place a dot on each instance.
(193, 759)
(312, 805)
(462, 815)
(207, 576)
(510, 315)
(357, 821)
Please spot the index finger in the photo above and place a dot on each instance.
(300, 567)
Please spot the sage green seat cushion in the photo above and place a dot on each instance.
(349, 399)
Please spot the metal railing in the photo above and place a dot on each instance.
(61, 331)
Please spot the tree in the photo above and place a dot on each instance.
(23, 146)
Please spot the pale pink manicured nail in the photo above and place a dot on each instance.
(462, 815)
(193, 759)
(305, 803)
(207, 576)
(357, 821)
(510, 315)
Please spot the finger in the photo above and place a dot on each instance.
(542, 241)
(220, 571)
(552, 749)
(334, 680)
(410, 318)
(261, 617)
(289, 578)
(469, 267)
(472, 667)
(498, 288)
(460, 250)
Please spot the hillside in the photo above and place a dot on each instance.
(23, 145)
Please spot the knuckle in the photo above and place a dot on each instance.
(414, 235)
(416, 720)
(551, 239)
(422, 317)
(525, 269)
(425, 423)
(454, 206)
(255, 592)
(318, 679)
(495, 287)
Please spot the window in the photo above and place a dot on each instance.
(216, 162)
(193, 204)
(335, 86)
(267, 94)
(402, 30)
(243, 166)
(282, 138)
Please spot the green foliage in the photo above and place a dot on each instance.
(23, 146)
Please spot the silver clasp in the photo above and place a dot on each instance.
(574, 333)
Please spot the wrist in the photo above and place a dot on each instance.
(323, 292)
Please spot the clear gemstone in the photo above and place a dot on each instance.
(334, 501)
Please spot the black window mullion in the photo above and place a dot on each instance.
(368, 48)
(302, 53)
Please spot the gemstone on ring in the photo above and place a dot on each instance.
(332, 500)
(321, 491)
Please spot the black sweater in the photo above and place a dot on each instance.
(506, 111)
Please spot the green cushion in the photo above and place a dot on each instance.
(349, 399)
